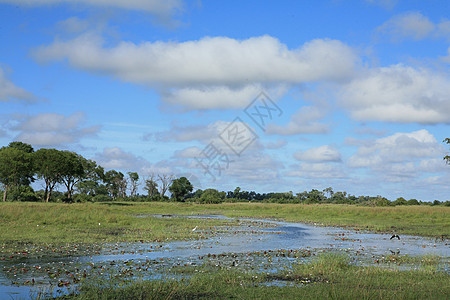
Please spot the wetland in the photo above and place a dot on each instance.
(216, 251)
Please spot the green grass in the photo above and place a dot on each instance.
(79, 223)
(329, 276)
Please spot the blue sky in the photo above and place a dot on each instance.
(355, 94)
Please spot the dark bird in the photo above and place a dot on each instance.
(395, 252)
(394, 236)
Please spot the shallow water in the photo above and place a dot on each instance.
(261, 245)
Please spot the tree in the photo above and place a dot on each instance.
(134, 182)
(49, 166)
(75, 169)
(211, 196)
(413, 202)
(165, 180)
(21, 146)
(180, 188)
(91, 184)
(151, 186)
(71, 171)
(16, 167)
(237, 193)
(115, 183)
(447, 157)
(329, 191)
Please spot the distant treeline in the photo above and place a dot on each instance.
(82, 180)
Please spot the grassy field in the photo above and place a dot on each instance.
(39, 223)
(329, 276)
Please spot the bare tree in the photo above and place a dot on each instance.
(165, 180)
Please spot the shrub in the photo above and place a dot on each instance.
(101, 198)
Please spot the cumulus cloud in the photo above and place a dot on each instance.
(411, 25)
(116, 158)
(213, 72)
(229, 137)
(316, 170)
(51, 129)
(446, 58)
(255, 168)
(399, 93)
(325, 153)
(212, 97)
(201, 133)
(10, 92)
(280, 143)
(162, 8)
(305, 121)
(400, 156)
(73, 25)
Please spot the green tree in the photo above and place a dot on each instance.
(413, 202)
(237, 193)
(16, 168)
(211, 196)
(399, 201)
(92, 183)
(49, 166)
(134, 182)
(447, 157)
(21, 146)
(115, 183)
(151, 186)
(180, 188)
(75, 169)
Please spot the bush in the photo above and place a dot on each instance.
(21, 193)
(82, 198)
(101, 198)
(412, 202)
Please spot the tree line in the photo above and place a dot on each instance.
(84, 180)
(81, 179)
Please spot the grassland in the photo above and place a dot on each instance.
(39, 223)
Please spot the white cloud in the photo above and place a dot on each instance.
(73, 25)
(412, 25)
(212, 97)
(325, 153)
(280, 143)
(305, 121)
(158, 7)
(399, 94)
(10, 92)
(398, 154)
(200, 133)
(222, 135)
(316, 170)
(213, 72)
(190, 152)
(116, 158)
(50, 129)
(446, 58)
(254, 168)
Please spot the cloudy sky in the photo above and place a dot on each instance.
(265, 95)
